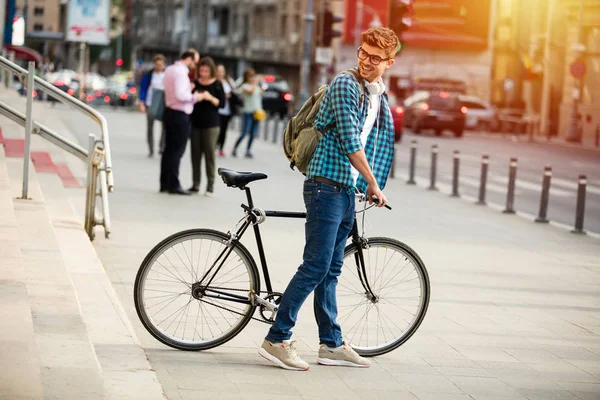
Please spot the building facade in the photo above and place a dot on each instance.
(264, 34)
(448, 44)
(535, 43)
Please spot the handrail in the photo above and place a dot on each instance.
(45, 132)
(67, 99)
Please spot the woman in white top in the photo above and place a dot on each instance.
(252, 95)
(226, 111)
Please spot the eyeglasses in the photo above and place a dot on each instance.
(375, 60)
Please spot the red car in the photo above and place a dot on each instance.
(398, 116)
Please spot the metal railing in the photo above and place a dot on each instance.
(98, 156)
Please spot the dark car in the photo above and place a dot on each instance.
(436, 111)
(277, 97)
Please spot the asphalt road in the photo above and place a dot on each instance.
(567, 164)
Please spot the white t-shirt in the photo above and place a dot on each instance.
(156, 83)
(372, 114)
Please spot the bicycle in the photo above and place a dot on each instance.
(209, 276)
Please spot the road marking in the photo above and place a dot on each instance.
(573, 185)
(447, 189)
(534, 186)
(491, 187)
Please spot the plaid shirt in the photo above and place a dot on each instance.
(343, 110)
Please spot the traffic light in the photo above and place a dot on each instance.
(119, 62)
(329, 33)
(401, 13)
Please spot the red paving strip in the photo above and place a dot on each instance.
(43, 162)
(67, 177)
(14, 147)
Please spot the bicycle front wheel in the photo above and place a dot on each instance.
(182, 310)
(382, 306)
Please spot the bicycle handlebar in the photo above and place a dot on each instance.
(363, 197)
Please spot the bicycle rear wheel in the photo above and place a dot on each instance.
(211, 315)
(400, 283)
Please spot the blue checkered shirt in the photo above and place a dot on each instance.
(345, 110)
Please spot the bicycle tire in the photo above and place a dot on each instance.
(350, 289)
(161, 249)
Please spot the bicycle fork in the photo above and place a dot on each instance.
(362, 243)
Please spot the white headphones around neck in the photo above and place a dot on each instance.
(376, 88)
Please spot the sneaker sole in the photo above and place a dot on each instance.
(267, 356)
(340, 363)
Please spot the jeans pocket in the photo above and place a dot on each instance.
(327, 188)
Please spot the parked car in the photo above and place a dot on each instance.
(398, 116)
(277, 98)
(121, 93)
(480, 115)
(437, 111)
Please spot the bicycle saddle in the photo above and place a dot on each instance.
(239, 179)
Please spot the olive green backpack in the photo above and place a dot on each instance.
(301, 137)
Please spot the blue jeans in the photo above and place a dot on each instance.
(329, 220)
(249, 126)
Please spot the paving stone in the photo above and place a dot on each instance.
(542, 394)
(428, 383)
(484, 386)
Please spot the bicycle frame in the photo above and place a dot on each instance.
(252, 219)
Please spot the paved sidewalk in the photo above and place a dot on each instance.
(514, 312)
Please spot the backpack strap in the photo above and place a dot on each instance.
(359, 80)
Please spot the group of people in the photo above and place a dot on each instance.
(198, 101)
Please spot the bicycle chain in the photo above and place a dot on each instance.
(236, 312)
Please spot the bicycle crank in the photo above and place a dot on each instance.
(269, 305)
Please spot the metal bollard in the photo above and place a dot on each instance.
(545, 195)
(28, 129)
(580, 211)
(433, 175)
(413, 161)
(264, 127)
(512, 179)
(276, 127)
(485, 161)
(455, 171)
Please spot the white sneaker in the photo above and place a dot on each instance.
(283, 355)
(343, 356)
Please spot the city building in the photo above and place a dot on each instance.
(535, 43)
(449, 45)
(264, 34)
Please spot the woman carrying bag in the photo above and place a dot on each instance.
(205, 123)
(253, 112)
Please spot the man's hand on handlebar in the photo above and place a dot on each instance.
(375, 195)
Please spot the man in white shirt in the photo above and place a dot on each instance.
(152, 80)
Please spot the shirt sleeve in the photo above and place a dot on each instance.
(183, 91)
(345, 94)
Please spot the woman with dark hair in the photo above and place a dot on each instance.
(205, 123)
(227, 109)
(252, 95)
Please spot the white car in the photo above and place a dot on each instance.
(480, 114)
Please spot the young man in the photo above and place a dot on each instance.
(179, 104)
(356, 153)
(153, 79)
